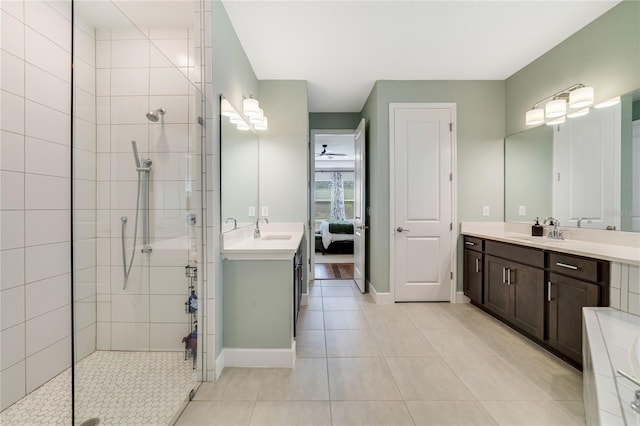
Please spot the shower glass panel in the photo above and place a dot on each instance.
(136, 184)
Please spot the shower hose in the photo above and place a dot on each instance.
(123, 220)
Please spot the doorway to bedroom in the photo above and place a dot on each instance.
(333, 204)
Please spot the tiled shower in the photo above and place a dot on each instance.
(68, 176)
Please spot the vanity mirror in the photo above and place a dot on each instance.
(239, 151)
(585, 172)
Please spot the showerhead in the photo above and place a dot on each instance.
(135, 153)
(154, 116)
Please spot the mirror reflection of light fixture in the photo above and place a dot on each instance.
(236, 119)
(579, 113)
(257, 118)
(243, 126)
(250, 107)
(261, 126)
(558, 120)
(226, 109)
(577, 96)
(555, 108)
(608, 103)
(580, 98)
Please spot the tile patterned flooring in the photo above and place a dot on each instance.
(404, 364)
(119, 388)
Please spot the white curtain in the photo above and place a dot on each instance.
(337, 196)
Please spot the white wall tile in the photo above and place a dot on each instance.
(103, 311)
(12, 190)
(168, 195)
(84, 254)
(634, 303)
(168, 256)
(84, 47)
(48, 363)
(46, 192)
(103, 82)
(170, 166)
(168, 280)
(177, 107)
(63, 7)
(46, 123)
(139, 32)
(129, 110)
(174, 50)
(47, 295)
(137, 283)
(85, 196)
(12, 264)
(103, 274)
(85, 342)
(103, 195)
(168, 81)
(614, 297)
(48, 329)
(103, 110)
(12, 33)
(46, 89)
(48, 22)
(12, 223)
(103, 167)
(84, 165)
(103, 137)
(156, 34)
(12, 307)
(85, 313)
(167, 337)
(47, 261)
(47, 158)
(103, 336)
(103, 254)
(85, 284)
(12, 380)
(103, 226)
(12, 78)
(47, 55)
(84, 222)
(12, 347)
(85, 76)
(123, 166)
(129, 82)
(85, 135)
(168, 309)
(634, 279)
(129, 336)
(15, 8)
(103, 53)
(130, 308)
(86, 107)
(122, 135)
(169, 138)
(11, 151)
(11, 112)
(46, 226)
(129, 53)
(123, 195)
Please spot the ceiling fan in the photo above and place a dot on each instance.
(328, 154)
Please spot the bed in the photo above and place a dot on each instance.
(336, 233)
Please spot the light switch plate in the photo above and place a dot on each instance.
(265, 211)
(522, 210)
(486, 211)
(252, 211)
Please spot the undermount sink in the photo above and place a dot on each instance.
(276, 237)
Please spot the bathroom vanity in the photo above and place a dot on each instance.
(261, 295)
(538, 285)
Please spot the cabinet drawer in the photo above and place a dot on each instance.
(526, 255)
(574, 266)
(472, 243)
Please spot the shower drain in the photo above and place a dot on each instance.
(90, 422)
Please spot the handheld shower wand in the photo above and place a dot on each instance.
(134, 145)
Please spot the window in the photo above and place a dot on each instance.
(323, 195)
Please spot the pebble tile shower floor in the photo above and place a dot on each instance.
(119, 388)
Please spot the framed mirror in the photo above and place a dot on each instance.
(239, 154)
(585, 172)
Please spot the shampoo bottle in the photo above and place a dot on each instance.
(537, 229)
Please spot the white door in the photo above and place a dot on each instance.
(587, 169)
(635, 182)
(421, 149)
(359, 225)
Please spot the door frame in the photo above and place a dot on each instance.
(454, 192)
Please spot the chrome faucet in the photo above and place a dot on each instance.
(580, 219)
(256, 232)
(235, 222)
(555, 233)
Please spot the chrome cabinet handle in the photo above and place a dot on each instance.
(508, 276)
(477, 265)
(549, 291)
(362, 227)
(401, 229)
(469, 243)
(566, 265)
(504, 273)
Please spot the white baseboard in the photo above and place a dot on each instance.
(380, 298)
(304, 299)
(461, 298)
(219, 365)
(262, 358)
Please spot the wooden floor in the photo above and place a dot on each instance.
(333, 271)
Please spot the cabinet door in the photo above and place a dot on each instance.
(496, 290)
(526, 286)
(566, 299)
(473, 275)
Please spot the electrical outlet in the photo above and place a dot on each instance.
(522, 210)
(252, 211)
(486, 211)
(265, 211)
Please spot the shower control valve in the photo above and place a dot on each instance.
(190, 218)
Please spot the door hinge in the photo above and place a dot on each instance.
(451, 127)
(451, 274)
(450, 177)
(201, 121)
(558, 177)
(450, 226)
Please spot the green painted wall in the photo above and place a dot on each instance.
(337, 120)
(605, 55)
(480, 173)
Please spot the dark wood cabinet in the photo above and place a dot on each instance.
(473, 267)
(496, 290)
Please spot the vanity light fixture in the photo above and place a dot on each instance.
(577, 96)
(243, 126)
(261, 126)
(534, 116)
(236, 119)
(580, 98)
(558, 120)
(257, 118)
(555, 108)
(608, 103)
(250, 106)
(226, 109)
(579, 113)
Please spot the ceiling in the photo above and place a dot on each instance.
(342, 143)
(342, 47)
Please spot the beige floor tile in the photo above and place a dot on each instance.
(233, 384)
(340, 303)
(217, 413)
(361, 379)
(299, 413)
(315, 291)
(395, 343)
(336, 283)
(310, 319)
(504, 341)
(453, 413)
(493, 379)
(433, 316)
(337, 292)
(471, 316)
(307, 381)
(352, 343)
(387, 317)
(538, 413)
(345, 320)
(310, 344)
(369, 413)
(456, 341)
(575, 409)
(427, 379)
(314, 304)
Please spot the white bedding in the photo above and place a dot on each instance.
(328, 237)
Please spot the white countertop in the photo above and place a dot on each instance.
(615, 246)
(241, 245)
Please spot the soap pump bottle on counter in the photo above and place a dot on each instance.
(537, 230)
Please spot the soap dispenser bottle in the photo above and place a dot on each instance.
(537, 230)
